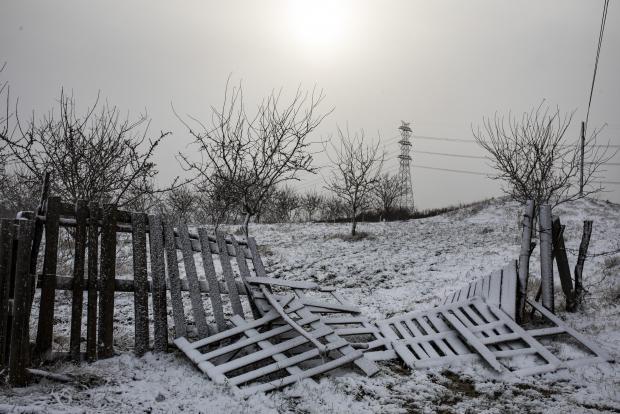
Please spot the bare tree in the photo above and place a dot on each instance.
(356, 170)
(97, 156)
(533, 158)
(311, 202)
(387, 192)
(253, 154)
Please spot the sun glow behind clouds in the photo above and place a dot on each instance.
(319, 25)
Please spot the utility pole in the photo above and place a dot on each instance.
(583, 146)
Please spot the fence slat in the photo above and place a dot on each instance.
(244, 273)
(198, 311)
(141, 293)
(175, 283)
(45, 328)
(93, 273)
(158, 276)
(81, 213)
(6, 256)
(108, 270)
(212, 282)
(20, 335)
(228, 275)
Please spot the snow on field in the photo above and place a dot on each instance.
(399, 267)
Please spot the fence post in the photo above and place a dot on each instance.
(45, 328)
(546, 257)
(20, 328)
(108, 272)
(524, 258)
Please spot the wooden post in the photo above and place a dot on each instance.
(141, 293)
(524, 258)
(20, 337)
(93, 271)
(6, 256)
(158, 276)
(45, 328)
(583, 250)
(108, 270)
(561, 260)
(546, 257)
(81, 214)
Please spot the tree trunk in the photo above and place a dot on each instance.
(246, 224)
(559, 253)
(353, 226)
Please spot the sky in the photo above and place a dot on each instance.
(441, 65)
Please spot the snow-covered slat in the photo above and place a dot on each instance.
(233, 294)
(180, 328)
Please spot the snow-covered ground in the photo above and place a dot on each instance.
(399, 267)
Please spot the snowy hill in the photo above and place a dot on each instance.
(398, 267)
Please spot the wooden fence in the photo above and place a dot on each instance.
(93, 282)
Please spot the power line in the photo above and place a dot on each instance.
(478, 157)
(598, 54)
(450, 170)
(468, 141)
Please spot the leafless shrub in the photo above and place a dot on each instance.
(535, 160)
(310, 203)
(387, 191)
(251, 155)
(355, 172)
(98, 155)
(280, 205)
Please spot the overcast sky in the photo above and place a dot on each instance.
(442, 65)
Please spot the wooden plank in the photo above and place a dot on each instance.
(105, 335)
(158, 291)
(259, 268)
(6, 258)
(180, 328)
(233, 295)
(430, 330)
(198, 311)
(48, 284)
(141, 293)
(253, 333)
(457, 320)
(572, 332)
(441, 326)
(508, 301)
(281, 282)
(92, 285)
(20, 338)
(212, 282)
(81, 215)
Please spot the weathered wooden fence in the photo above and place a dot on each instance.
(95, 231)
